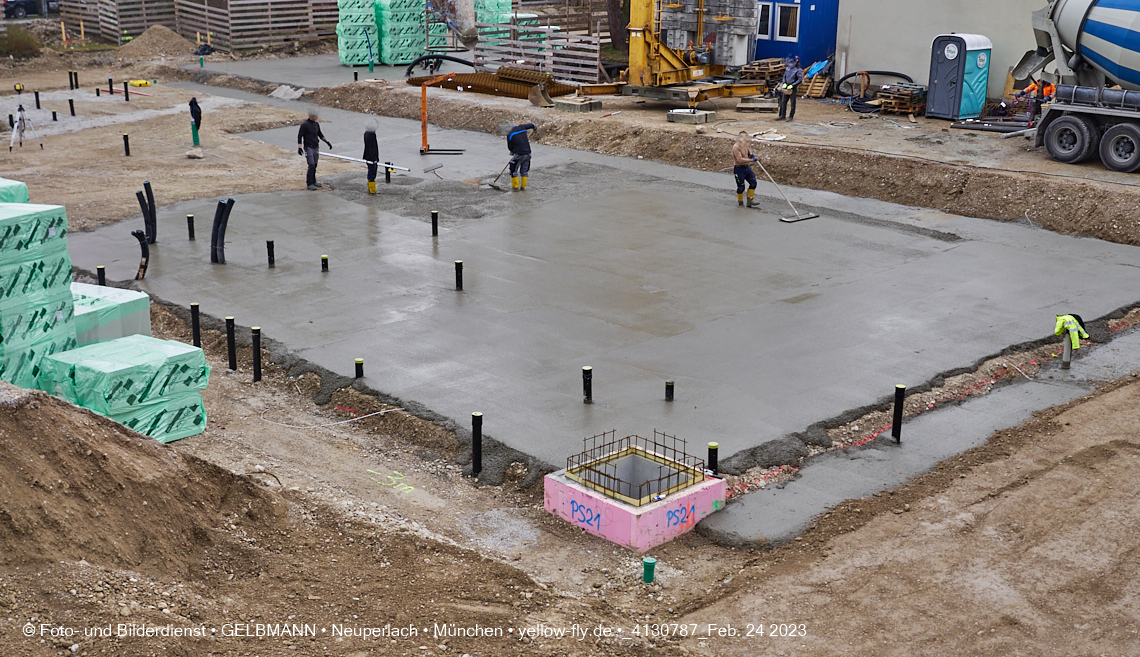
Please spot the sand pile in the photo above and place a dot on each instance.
(157, 41)
(74, 485)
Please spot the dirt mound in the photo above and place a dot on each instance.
(157, 41)
(74, 485)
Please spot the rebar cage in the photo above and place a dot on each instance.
(633, 469)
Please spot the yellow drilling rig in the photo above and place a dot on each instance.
(659, 72)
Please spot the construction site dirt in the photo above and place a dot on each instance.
(1024, 544)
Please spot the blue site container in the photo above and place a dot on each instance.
(959, 74)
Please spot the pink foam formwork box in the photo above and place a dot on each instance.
(638, 528)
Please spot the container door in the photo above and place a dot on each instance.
(945, 92)
(975, 82)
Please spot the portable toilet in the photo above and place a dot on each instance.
(959, 74)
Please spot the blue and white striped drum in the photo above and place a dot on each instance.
(1106, 33)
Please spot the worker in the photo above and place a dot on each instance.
(1074, 325)
(1042, 91)
(742, 159)
(519, 146)
(196, 113)
(789, 87)
(307, 145)
(372, 155)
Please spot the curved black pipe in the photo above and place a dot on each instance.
(904, 76)
(449, 58)
(214, 231)
(145, 211)
(152, 229)
(222, 231)
(141, 237)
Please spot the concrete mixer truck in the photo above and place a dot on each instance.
(1091, 50)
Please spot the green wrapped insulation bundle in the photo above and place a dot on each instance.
(105, 313)
(179, 417)
(13, 191)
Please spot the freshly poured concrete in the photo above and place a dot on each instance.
(766, 327)
(318, 70)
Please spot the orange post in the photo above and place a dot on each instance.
(423, 107)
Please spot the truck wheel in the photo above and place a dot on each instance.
(1120, 148)
(20, 12)
(1068, 139)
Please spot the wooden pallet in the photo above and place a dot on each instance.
(902, 106)
(902, 98)
(818, 86)
(771, 69)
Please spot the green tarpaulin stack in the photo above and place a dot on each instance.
(147, 384)
(104, 313)
(356, 33)
(13, 191)
(402, 28)
(37, 315)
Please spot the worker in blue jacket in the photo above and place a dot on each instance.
(790, 88)
(519, 145)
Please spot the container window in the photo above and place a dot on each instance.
(764, 29)
(787, 22)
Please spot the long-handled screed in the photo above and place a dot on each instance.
(795, 217)
(492, 184)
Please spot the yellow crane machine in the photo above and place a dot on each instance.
(659, 72)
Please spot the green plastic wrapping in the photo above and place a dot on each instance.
(21, 364)
(13, 191)
(178, 417)
(24, 322)
(30, 231)
(104, 313)
(122, 375)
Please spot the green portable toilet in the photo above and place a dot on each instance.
(959, 74)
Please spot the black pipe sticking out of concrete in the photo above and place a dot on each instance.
(141, 237)
(387, 173)
(111, 86)
(214, 230)
(127, 145)
(98, 90)
(256, 353)
(459, 275)
(355, 76)
(71, 105)
(269, 251)
(714, 448)
(54, 116)
(38, 100)
(476, 444)
(11, 121)
(668, 391)
(101, 273)
(360, 368)
(190, 226)
(435, 223)
(325, 263)
(152, 227)
(195, 325)
(222, 230)
(587, 385)
(145, 212)
(896, 423)
(231, 343)
(127, 91)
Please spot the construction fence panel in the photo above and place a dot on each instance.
(325, 17)
(257, 22)
(130, 18)
(81, 18)
(572, 57)
(589, 17)
(196, 17)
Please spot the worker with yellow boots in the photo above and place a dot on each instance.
(519, 146)
(372, 155)
(742, 159)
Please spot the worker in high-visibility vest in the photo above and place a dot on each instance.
(1074, 326)
(1043, 92)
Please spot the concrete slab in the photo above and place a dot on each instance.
(577, 104)
(779, 514)
(317, 70)
(644, 271)
(690, 116)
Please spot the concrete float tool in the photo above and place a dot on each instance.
(797, 216)
(492, 184)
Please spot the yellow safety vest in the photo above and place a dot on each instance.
(1070, 324)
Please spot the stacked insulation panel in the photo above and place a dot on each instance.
(37, 314)
(149, 385)
(493, 11)
(402, 28)
(104, 313)
(13, 191)
(358, 40)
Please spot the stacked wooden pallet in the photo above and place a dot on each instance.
(770, 70)
(818, 86)
(902, 98)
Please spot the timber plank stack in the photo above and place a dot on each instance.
(902, 98)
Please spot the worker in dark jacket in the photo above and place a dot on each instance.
(372, 155)
(307, 145)
(790, 87)
(196, 113)
(519, 145)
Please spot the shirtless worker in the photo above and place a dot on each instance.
(742, 159)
